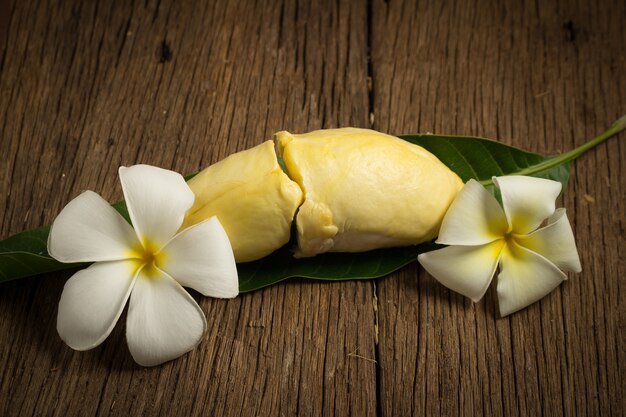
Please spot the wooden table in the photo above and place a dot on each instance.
(88, 86)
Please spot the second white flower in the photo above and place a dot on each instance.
(482, 235)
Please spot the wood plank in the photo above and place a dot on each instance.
(89, 86)
(543, 76)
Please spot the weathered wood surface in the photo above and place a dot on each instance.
(87, 86)
(543, 78)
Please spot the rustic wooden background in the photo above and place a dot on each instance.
(86, 86)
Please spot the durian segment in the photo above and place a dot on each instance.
(254, 200)
(365, 190)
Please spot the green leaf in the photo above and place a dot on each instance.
(25, 254)
(281, 265)
(481, 159)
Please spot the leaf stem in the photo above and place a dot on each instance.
(615, 128)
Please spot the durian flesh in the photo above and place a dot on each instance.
(353, 189)
(251, 196)
(365, 190)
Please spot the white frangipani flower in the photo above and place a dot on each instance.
(148, 265)
(481, 235)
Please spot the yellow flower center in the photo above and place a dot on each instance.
(148, 256)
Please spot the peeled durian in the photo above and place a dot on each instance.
(353, 190)
(365, 190)
(254, 200)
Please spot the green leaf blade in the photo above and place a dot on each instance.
(25, 254)
(281, 265)
(480, 158)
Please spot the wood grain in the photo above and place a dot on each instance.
(88, 86)
(544, 77)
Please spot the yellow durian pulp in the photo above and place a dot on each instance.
(353, 190)
(254, 200)
(365, 190)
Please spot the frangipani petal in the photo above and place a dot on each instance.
(163, 320)
(88, 229)
(527, 201)
(157, 200)
(474, 218)
(554, 242)
(525, 277)
(201, 258)
(465, 269)
(92, 301)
